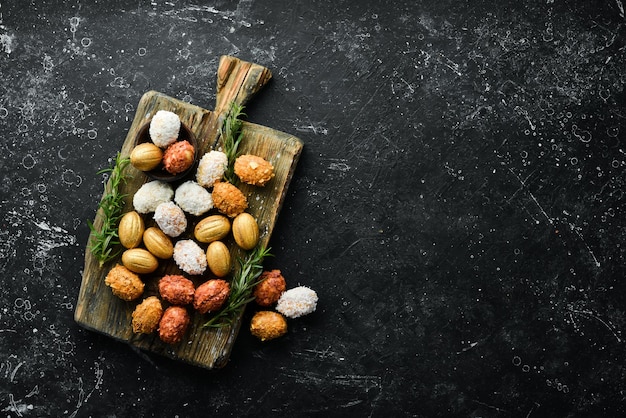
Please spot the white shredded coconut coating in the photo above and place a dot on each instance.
(152, 194)
(193, 198)
(189, 257)
(211, 168)
(170, 218)
(164, 128)
(297, 302)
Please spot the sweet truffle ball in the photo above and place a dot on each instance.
(252, 169)
(211, 295)
(297, 302)
(152, 194)
(178, 157)
(164, 128)
(124, 283)
(271, 286)
(228, 199)
(176, 289)
(211, 168)
(170, 218)
(147, 315)
(189, 257)
(267, 325)
(193, 198)
(173, 324)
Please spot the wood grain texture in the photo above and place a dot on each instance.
(98, 310)
(238, 81)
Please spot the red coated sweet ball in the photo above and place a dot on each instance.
(178, 157)
(176, 289)
(211, 295)
(271, 286)
(173, 324)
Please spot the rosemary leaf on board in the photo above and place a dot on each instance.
(104, 242)
(241, 287)
(231, 138)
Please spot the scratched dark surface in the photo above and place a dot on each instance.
(458, 206)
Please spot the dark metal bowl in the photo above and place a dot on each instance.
(160, 173)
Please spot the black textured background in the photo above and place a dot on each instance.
(458, 206)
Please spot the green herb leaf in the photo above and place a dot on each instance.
(231, 138)
(103, 242)
(241, 288)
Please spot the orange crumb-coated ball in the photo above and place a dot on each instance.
(124, 283)
(252, 169)
(267, 325)
(228, 199)
(147, 315)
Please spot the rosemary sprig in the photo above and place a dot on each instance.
(231, 138)
(103, 242)
(241, 288)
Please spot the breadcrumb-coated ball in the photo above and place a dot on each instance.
(267, 325)
(170, 218)
(124, 283)
(211, 295)
(189, 257)
(173, 324)
(252, 169)
(271, 285)
(193, 198)
(228, 199)
(211, 168)
(164, 128)
(152, 194)
(176, 289)
(297, 302)
(147, 315)
(178, 157)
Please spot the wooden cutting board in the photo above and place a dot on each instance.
(98, 310)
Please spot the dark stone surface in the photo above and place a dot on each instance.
(459, 204)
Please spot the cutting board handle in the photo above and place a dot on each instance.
(239, 81)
